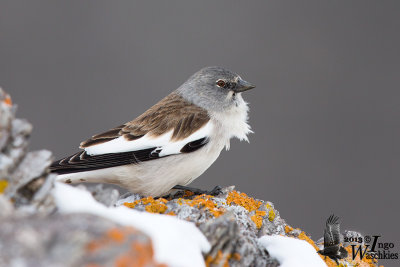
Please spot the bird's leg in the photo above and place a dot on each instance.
(214, 192)
(337, 262)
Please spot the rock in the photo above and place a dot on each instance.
(72, 240)
(232, 222)
(103, 194)
(14, 135)
(24, 177)
(34, 233)
(6, 207)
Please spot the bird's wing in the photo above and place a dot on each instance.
(172, 126)
(173, 113)
(332, 231)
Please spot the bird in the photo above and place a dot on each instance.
(169, 145)
(332, 247)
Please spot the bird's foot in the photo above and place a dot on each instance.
(196, 191)
(337, 262)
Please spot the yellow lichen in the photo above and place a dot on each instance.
(203, 201)
(271, 215)
(151, 205)
(3, 186)
(243, 200)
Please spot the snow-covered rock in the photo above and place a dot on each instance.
(175, 242)
(291, 251)
(44, 223)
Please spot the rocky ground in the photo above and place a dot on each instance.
(36, 230)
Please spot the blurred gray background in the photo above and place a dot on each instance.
(325, 112)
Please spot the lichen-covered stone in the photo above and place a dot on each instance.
(24, 177)
(34, 234)
(232, 222)
(72, 240)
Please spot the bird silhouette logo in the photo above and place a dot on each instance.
(332, 247)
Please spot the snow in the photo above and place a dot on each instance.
(175, 242)
(291, 252)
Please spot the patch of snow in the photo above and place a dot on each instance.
(175, 242)
(291, 252)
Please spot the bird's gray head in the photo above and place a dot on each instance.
(214, 88)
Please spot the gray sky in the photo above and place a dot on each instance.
(325, 111)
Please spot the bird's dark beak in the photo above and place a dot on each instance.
(242, 86)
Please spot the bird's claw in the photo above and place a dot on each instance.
(215, 191)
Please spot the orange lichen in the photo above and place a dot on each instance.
(288, 229)
(116, 235)
(7, 100)
(113, 235)
(251, 204)
(139, 255)
(132, 253)
(156, 208)
(257, 218)
(236, 256)
(261, 212)
(243, 200)
(151, 205)
(221, 259)
(188, 193)
(94, 245)
(203, 201)
(357, 262)
(3, 186)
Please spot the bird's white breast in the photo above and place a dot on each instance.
(232, 123)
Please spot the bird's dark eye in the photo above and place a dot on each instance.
(221, 83)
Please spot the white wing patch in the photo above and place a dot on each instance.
(162, 142)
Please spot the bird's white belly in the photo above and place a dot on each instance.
(154, 177)
(159, 176)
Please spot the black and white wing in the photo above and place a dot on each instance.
(332, 231)
(172, 126)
